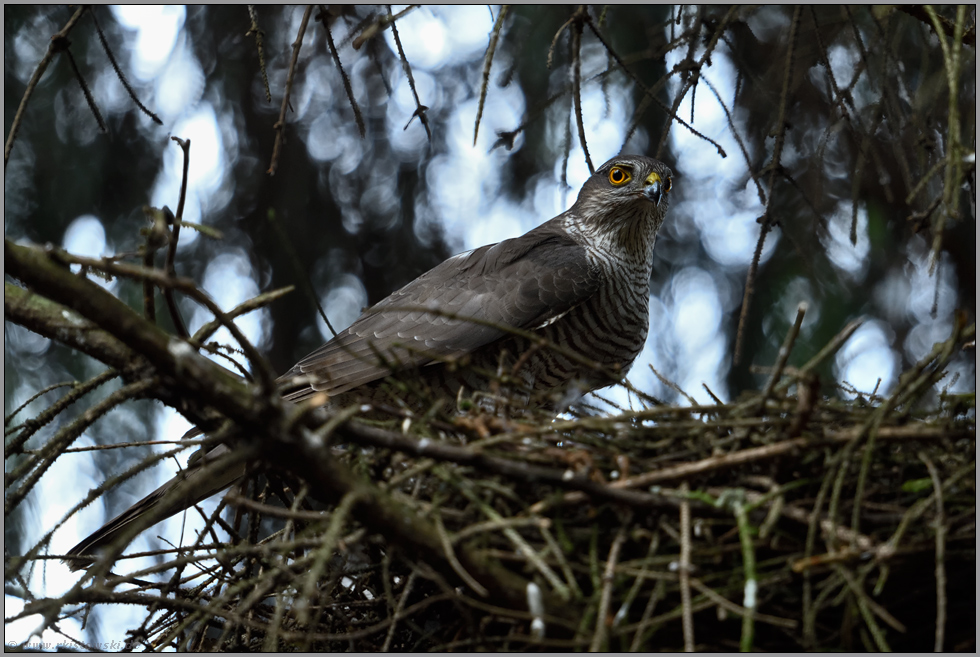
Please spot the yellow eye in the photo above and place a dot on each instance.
(619, 176)
(667, 185)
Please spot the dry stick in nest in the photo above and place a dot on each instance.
(911, 385)
(940, 527)
(684, 573)
(599, 639)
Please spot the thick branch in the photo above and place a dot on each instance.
(56, 322)
(286, 441)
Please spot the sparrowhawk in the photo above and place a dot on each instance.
(580, 281)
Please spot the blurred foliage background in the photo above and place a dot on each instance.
(843, 136)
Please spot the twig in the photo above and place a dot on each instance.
(605, 598)
(378, 26)
(259, 364)
(739, 610)
(31, 426)
(58, 42)
(944, 24)
(280, 125)
(343, 74)
(85, 90)
(259, 35)
(245, 307)
(784, 352)
(751, 586)
(554, 41)
(420, 109)
(169, 267)
(156, 236)
(576, 46)
(774, 166)
(40, 463)
(673, 386)
(708, 49)
(6, 420)
(447, 546)
(398, 610)
(753, 454)
(869, 609)
(659, 589)
(953, 177)
(940, 525)
(738, 139)
(324, 552)
(119, 73)
(487, 62)
(684, 572)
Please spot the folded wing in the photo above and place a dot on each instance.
(464, 303)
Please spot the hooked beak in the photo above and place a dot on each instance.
(654, 188)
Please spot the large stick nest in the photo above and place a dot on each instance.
(785, 520)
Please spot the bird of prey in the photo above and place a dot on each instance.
(580, 281)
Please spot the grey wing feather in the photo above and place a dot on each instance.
(196, 483)
(522, 283)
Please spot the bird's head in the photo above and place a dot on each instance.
(625, 202)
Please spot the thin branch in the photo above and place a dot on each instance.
(119, 73)
(576, 46)
(378, 26)
(940, 527)
(343, 74)
(58, 42)
(169, 266)
(605, 598)
(487, 62)
(766, 219)
(7, 418)
(940, 23)
(953, 177)
(684, 572)
(708, 49)
(159, 340)
(420, 109)
(299, 272)
(31, 426)
(783, 356)
(40, 463)
(280, 125)
(259, 35)
(738, 140)
(85, 90)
